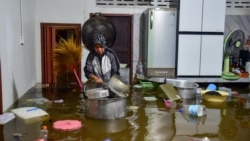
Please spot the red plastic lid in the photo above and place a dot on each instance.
(67, 125)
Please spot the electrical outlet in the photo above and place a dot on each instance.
(22, 41)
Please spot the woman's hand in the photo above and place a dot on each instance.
(96, 79)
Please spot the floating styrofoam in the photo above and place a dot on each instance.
(31, 114)
(150, 98)
(6, 117)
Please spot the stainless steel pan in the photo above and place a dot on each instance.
(96, 93)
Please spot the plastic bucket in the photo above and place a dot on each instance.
(186, 89)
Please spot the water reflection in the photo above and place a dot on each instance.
(131, 119)
(159, 124)
(194, 119)
(235, 123)
(103, 129)
(146, 120)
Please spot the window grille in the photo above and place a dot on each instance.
(235, 5)
(136, 3)
(238, 4)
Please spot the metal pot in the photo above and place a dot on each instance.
(97, 93)
(105, 108)
(186, 89)
(118, 85)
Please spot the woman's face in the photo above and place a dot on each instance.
(99, 49)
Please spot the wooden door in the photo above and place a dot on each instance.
(50, 36)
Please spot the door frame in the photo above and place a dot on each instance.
(1, 100)
(48, 42)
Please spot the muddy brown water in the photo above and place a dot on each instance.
(145, 120)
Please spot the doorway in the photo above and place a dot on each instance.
(51, 33)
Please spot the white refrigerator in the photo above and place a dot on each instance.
(200, 37)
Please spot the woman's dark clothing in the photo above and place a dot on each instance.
(104, 66)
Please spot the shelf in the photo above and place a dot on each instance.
(193, 79)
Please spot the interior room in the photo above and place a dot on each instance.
(188, 46)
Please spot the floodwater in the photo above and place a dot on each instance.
(145, 120)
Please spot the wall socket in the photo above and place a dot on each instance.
(22, 41)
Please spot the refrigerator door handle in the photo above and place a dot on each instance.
(151, 20)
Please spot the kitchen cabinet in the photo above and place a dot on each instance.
(202, 15)
(190, 18)
(188, 55)
(194, 60)
(200, 37)
(211, 55)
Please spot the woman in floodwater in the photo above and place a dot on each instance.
(102, 62)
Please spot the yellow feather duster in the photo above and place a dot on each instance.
(66, 56)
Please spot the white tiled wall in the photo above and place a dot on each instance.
(238, 16)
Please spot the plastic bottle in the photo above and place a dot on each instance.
(242, 68)
(198, 96)
(139, 67)
(238, 68)
(233, 65)
(195, 110)
(194, 119)
(44, 133)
